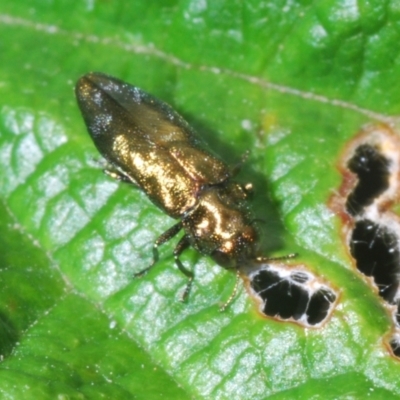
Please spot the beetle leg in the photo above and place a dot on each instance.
(233, 294)
(167, 235)
(182, 245)
(119, 176)
(115, 174)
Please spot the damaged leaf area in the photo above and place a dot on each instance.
(291, 293)
(370, 189)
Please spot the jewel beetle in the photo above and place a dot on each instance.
(146, 143)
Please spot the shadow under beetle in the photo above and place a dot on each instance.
(148, 144)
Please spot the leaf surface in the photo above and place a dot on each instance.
(290, 81)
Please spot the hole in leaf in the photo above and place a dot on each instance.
(288, 294)
(372, 170)
(371, 176)
(320, 303)
(375, 249)
(395, 345)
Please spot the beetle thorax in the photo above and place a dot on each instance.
(219, 225)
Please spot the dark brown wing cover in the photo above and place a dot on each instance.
(148, 142)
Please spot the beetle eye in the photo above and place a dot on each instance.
(221, 258)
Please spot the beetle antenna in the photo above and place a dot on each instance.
(267, 259)
(236, 168)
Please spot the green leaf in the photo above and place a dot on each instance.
(290, 81)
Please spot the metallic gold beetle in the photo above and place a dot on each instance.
(148, 144)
